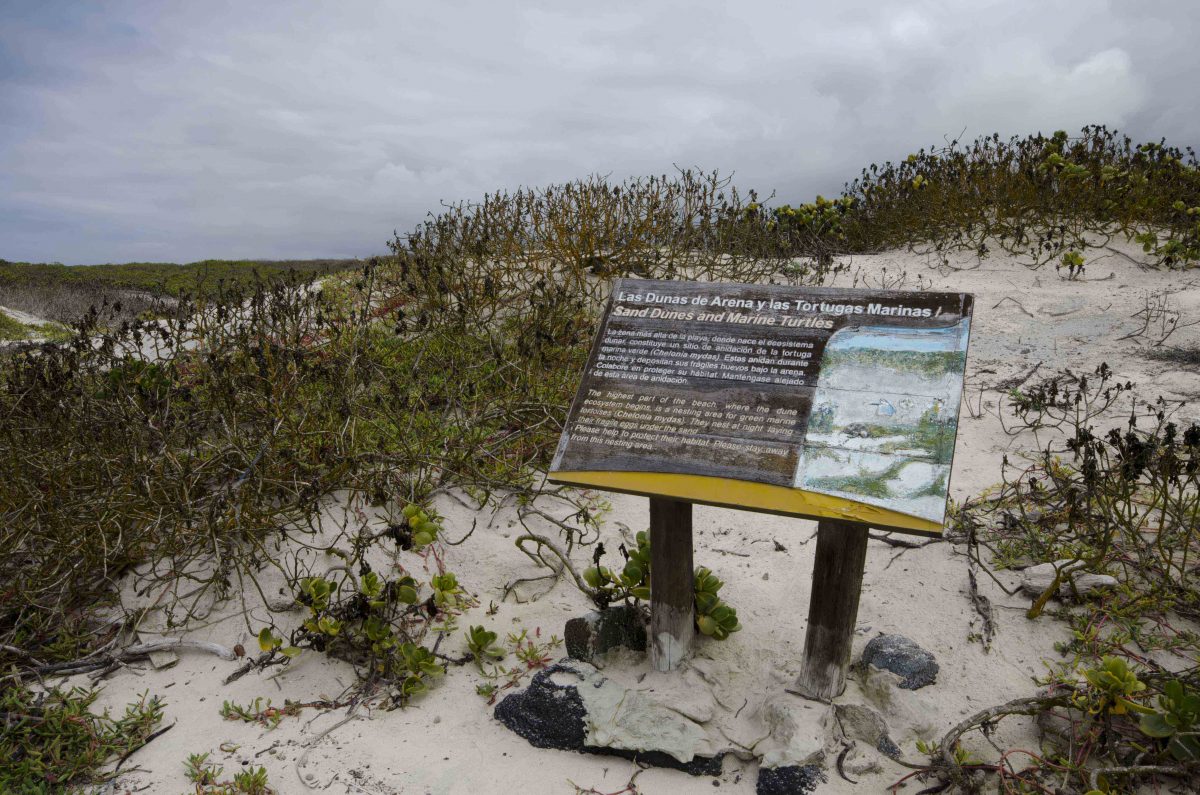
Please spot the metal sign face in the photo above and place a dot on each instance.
(815, 402)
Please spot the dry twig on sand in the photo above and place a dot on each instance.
(130, 653)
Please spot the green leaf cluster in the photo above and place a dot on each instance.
(714, 618)
(447, 593)
(424, 529)
(634, 580)
(482, 645)
(416, 666)
(1111, 688)
(207, 776)
(1177, 721)
(377, 623)
(53, 742)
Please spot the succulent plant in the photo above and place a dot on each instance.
(714, 618)
(1176, 720)
(423, 528)
(418, 664)
(405, 590)
(316, 592)
(1111, 687)
(598, 576)
(482, 644)
(446, 591)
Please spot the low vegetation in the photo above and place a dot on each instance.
(52, 740)
(1125, 502)
(1041, 198)
(13, 330)
(209, 778)
(64, 294)
(449, 364)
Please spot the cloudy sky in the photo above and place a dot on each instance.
(180, 131)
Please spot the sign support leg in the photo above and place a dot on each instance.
(833, 607)
(672, 589)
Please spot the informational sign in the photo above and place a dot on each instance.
(816, 402)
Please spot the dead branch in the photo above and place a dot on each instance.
(901, 542)
(130, 653)
(536, 557)
(1179, 771)
(1017, 380)
(1018, 706)
(147, 741)
(983, 606)
(260, 662)
(1015, 301)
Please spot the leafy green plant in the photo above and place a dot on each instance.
(52, 741)
(446, 590)
(1072, 261)
(713, 617)
(816, 227)
(374, 621)
(424, 530)
(1126, 502)
(416, 667)
(207, 777)
(531, 652)
(482, 645)
(961, 756)
(259, 712)
(1177, 721)
(634, 580)
(268, 641)
(1112, 687)
(1042, 198)
(378, 623)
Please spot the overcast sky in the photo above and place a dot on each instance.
(182, 131)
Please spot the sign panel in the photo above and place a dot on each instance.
(816, 402)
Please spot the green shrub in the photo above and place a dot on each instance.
(52, 741)
(1041, 198)
(1176, 721)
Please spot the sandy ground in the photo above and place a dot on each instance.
(448, 741)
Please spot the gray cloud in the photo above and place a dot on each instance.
(147, 131)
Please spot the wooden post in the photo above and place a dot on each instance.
(833, 607)
(672, 589)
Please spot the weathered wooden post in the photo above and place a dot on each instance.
(672, 600)
(832, 607)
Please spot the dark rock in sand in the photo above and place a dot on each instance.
(598, 632)
(550, 715)
(788, 780)
(896, 653)
(546, 714)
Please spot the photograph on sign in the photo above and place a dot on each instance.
(818, 402)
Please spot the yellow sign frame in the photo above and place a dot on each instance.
(747, 495)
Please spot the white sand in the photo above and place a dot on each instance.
(448, 741)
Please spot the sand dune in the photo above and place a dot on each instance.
(448, 741)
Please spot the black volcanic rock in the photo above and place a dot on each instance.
(896, 653)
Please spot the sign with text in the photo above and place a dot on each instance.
(816, 402)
